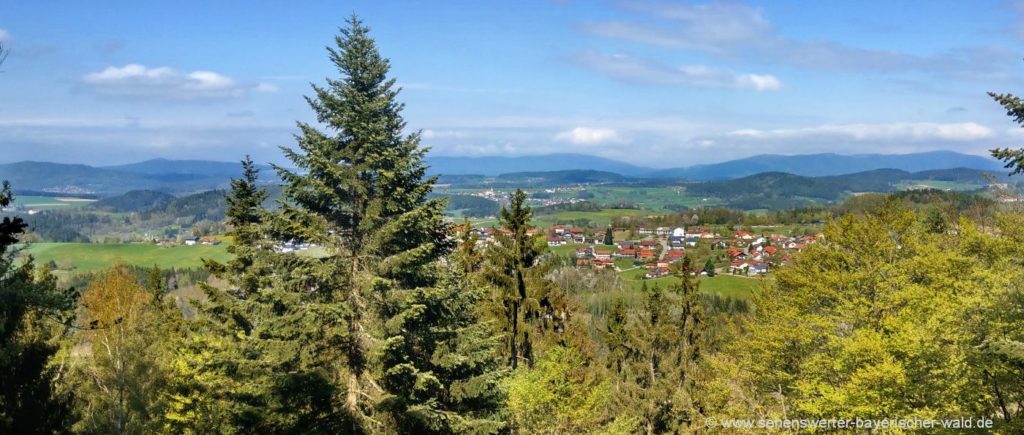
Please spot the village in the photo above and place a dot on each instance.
(657, 250)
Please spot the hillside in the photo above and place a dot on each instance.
(134, 201)
(203, 168)
(774, 190)
(67, 178)
(163, 175)
(818, 165)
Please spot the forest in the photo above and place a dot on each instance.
(911, 308)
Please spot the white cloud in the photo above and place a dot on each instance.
(760, 82)
(135, 80)
(919, 131)
(588, 136)
(265, 87)
(434, 134)
(4, 36)
(628, 68)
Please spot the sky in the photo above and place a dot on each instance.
(653, 83)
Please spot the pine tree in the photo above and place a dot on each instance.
(608, 238)
(442, 363)
(1014, 158)
(508, 270)
(360, 192)
(467, 256)
(244, 215)
(709, 267)
(155, 282)
(33, 312)
(655, 352)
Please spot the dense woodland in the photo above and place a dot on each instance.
(911, 306)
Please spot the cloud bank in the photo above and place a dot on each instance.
(139, 81)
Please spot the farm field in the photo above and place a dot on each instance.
(87, 257)
(39, 202)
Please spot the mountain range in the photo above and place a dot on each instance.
(809, 165)
(183, 176)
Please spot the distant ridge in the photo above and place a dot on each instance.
(188, 176)
(810, 165)
(205, 168)
(496, 165)
(826, 164)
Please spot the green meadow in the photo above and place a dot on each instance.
(85, 257)
(50, 201)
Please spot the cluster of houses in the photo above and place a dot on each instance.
(754, 255)
(659, 248)
(195, 240)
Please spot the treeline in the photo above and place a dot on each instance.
(134, 201)
(949, 205)
(68, 226)
(473, 206)
(777, 190)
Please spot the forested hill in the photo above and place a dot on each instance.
(164, 175)
(775, 190)
(829, 164)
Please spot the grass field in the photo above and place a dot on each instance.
(95, 256)
(37, 202)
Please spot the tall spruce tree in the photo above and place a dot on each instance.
(508, 269)
(608, 237)
(359, 191)
(372, 335)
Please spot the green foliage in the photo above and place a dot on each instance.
(33, 314)
(561, 393)
(442, 363)
(1014, 159)
(655, 354)
(882, 320)
(369, 336)
(709, 268)
(134, 201)
(522, 297)
(473, 206)
(122, 369)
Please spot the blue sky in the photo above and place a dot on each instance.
(660, 83)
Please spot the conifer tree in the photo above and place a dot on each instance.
(1014, 106)
(33, 311)
(709, 267)
(608, 238)
(442, 363)
(360, 191)
(467, 256)
(508, 270)
(655, 353)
